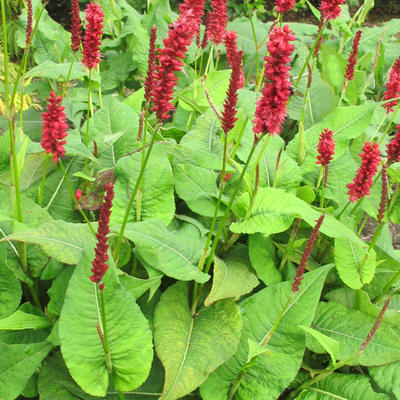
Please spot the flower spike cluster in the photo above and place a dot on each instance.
(330, 9)
(29, 22)
(393, 148)
(217, 22)
(383, 203)
(232, 53)
(76, 27)
(99, 263)
(326, 147)
(284, 5)
(148, 85)
(306, 255)
(94, 30)
(271, 108)
(169, 58)
(361, 185)
(54, 127)
(393, 87)
(351, 63)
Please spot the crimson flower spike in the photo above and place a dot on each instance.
(271, 108)
(99, 263)
(148, 84)
(326, 147)
(217, 22)
(372, 332)
(284, 5)
(361, 185)
(351, 63)
(29, 22)
(306, 255)
(169, 58)
(54, 127)
(94, 30)
(76, 27)
(393, 148)
(232, 53)
(393, 87)
(330, 9)
(383, 203)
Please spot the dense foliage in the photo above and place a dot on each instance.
(197, 208)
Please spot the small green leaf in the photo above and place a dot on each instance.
(21, 320)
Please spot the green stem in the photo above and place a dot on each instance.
(237, 143)
(261, 153)
(389, 125)
(41, 190)
(133, 196)
(89, 109)
(343, 210)
(69, 75)
(289, 245)
(210, 57)
(253, 31)
(105, 333)
(394, 199)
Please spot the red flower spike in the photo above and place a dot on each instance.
(352, 61)
(94, 30)
(326, 147)
(54, 127)
(176, 44)
(361, 185)
(78, 194)
(217, 22)
(76, 27)
(383, 203)
(393, 87)
(205, 36)
(99, 263)
(232, 53)
(330, 9)
(271, 108)
(393, 148)
(148, 84)
(306, 255)
(29, 22)
(284, 5)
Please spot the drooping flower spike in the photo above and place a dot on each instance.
(148, 85)
(76, 27)
(100, 261)
(271, 108)
(232, 53)
(218, 20)
(361, 185)
(93, 33)
(284, 5)
(326, 147)
(330, 9)
(393, 148)
(393, 87)
(352, 61)
(55, 127)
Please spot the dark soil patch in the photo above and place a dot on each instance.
(370, 227)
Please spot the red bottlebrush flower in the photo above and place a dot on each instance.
(306, 255)
(148, 84)
(232, 53)
(94, 30)
(393, 87)
(371, 156)
(218, 21)
(228, 115)
(326, 147)
(271, 108)
(54, 127)
(330, 9)
(383, 203)
(351, 63)
(29, 22)
(99, 263)
(284, 5)
(393, 148)
(76, 27)
(176, 44)
(78, 194)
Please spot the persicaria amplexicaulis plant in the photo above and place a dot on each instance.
(326, 147)
(148, 85)
(284, 5)
(76, 27)
(217, 21)
(393, 87)
(330, 9)
(29, 21)
(383, 203)
(393, 148)
(351, 63)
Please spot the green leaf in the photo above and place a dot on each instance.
(387, 377)
(136, 287)
(267, 375)
(355, 264)
(333, 67)
(263, 259)
(20, 320)
(135, 100)
(18, 362)
(62, 240)
(57, 291)
(128, 333)
(350, 328)
(343, 387)
(158, 187)
(232, 277)
(59, 72)
(164, 251)
(190, 347)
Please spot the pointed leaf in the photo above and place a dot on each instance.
(387, 377)
(21, 320)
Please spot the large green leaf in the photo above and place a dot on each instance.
(355, 264)
(350, 328)
(267, 375)
(57, 71)
(343, 387)
(164, 251)
(62, 240)
(192, 346)
(387, 377)
(18, 362)
(20, 320)
(158, 187)
(129, 336)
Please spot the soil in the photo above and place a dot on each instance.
(370, 227)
